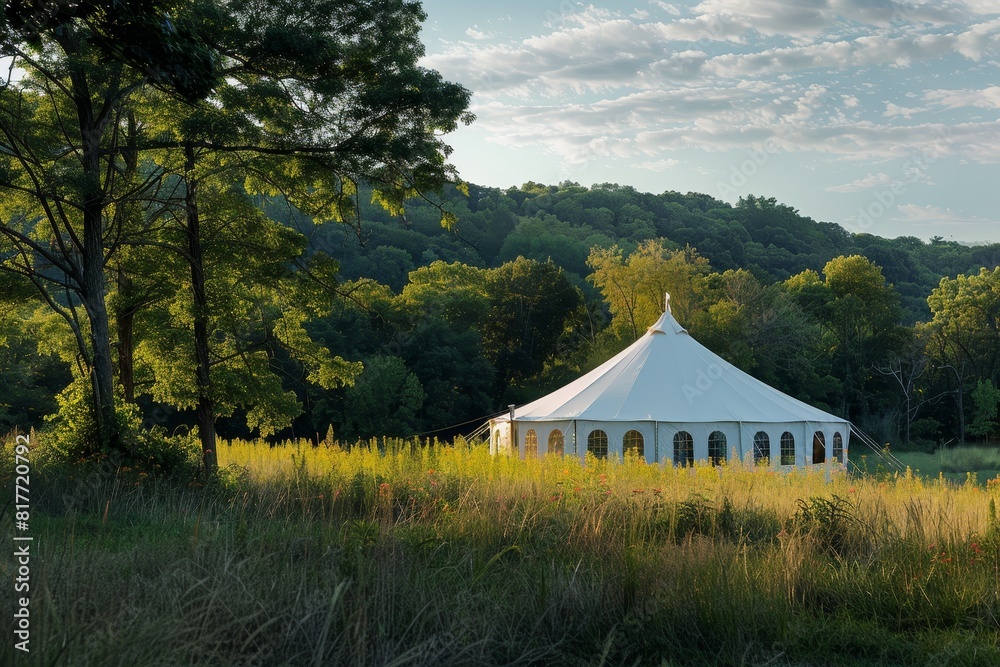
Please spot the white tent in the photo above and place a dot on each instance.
(669, 398)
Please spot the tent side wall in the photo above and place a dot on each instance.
(549, 437)
(500, 436)
(781, 443)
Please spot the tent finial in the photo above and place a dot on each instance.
(666, 303)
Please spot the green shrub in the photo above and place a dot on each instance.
(73, 438)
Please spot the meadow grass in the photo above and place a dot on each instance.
(409, 553)
(956, 462)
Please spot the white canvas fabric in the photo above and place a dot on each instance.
(667, 382)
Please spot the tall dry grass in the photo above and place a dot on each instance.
(433, 554)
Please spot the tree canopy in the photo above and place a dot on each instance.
(121, 104)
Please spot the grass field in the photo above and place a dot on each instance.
(955, 463)
(432, 554)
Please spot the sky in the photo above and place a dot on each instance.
(880, 115)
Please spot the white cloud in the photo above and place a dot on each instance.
(770, 17)
(893, 110)
(796, 119)
(602, 84)
(979, 39)
(705, 29)
(596, 50)
(657, 165)
(988, 7)
(834, 56)
(987, 98)
(806, 105)
(668, 8)
(921, 145)
(810, 16)
(683, 66)
(869, 181)
(805, 18)
(867, 51)
(591, 50)
(933, 214)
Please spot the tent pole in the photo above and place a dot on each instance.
(515, 448)
(739, 439)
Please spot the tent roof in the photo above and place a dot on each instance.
(668, 376)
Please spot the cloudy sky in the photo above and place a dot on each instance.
(880, 115)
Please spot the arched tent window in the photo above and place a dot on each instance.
(838, 448)
(716, 447)
(761, 447)
(819, 447)
(556, 442)
(683, 449)
(496, 441)
(597, 444)
(787, 449)
(633, 442)
(530, 443)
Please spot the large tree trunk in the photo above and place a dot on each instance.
(909, 419)
(961, 411)
(102, 371)
(125, 315)
(126, 352)
(93, 282)
(206, 406)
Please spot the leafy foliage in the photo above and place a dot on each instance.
(635, 288)
(30, 377)
(986, 398)
(73, 436)
(164, 103)
(530, 303)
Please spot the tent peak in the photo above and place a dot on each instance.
(667, 323)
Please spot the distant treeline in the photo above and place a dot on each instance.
(563, 222)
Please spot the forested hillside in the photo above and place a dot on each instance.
(524, 291)
(564, 222)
